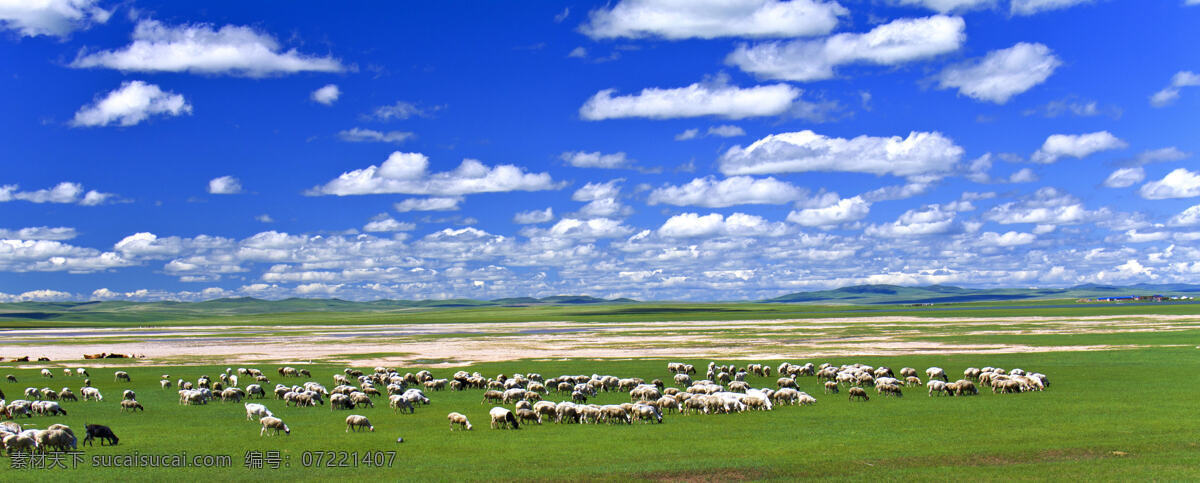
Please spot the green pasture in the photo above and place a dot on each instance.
(1111, 415)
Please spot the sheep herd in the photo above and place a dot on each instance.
(519, 399)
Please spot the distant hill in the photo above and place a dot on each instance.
(897, 294)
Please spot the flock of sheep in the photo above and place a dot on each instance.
(724, 390)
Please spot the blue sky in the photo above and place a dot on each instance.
(655, 149)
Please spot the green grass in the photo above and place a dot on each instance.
(1138, 402)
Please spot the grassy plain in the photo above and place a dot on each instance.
(1109, 414)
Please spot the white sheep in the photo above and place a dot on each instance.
(358, 421)
(398, 403)
(460, 420)
(90, 393)
(502, 417)
(254, 410)
(274, 424)
(47, 373)
(937, 373)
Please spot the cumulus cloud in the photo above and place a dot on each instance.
(1125, 177)
(1170, 93)
(399, 111)
(580, 159)
(132, 103)
(947, 6)
(326, 95)
(65, 192)
(224, 185)
(1030, 7)
(1188, 217)
(726, 131)
(1023, 175)
(696, 100)
(534, 216)
(56, 18)
(598, 191)
(693, 225)
(1007, 239)
(687, 134)
(39, 233)
(893, 43)
(707, 19)
(204, 49)
(429, 204)
(360, 135)
(408, 173)
(1076, 146)
(1047, 206)
(1180, 183)
(1001, 74)
(929, 220)
(387, 224)
(43, 295)
(264, 218)
(55, 256)
(920, 154)
(842, 211)
(737, 190)
(590, 228)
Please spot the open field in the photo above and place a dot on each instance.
(1121, 405)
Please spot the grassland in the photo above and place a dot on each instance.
(1121, 405)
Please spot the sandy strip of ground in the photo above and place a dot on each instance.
(462, 343)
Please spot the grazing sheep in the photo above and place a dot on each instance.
(274, 424)
(786, 382)
(398, 403)
(259, 411)
(255, 389)
(831, 387)
(963, 387)
(937, 373)
(361, 399)
(102, 433)
(524, 414)
(121, 376)
(858, 392)
(10, 378)
(936, 386)
(16, 443)
(889, 390)
(460, 420)
(47, 408)
(91, 393)
(131, 405)
(912, 381)
(502, 417)
(47, 373)
(65, 394)
(128, 394)
(354, 421)
(683, 380)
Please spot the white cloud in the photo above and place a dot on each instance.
(1030, 7)
(692, 225)
(429, 204)
(387, 224)
(930, 220)
(1076, 146)
(947, 6)
(893, 43)
(1125, 177)
(900, 192)
(534, 216)
(1170, 93)
(1047, 206)
(224, 185)
(681, 19)
(65, 192)
(326, 95)
(407, 173)
(696, 100)
(1170, 153)
(598, 191)
(591, 228)
(1023, 175)
(203, 49)
(1001, 74)
(580, 159)
(44, 295)
(264, 218)
(399, 111)
(1008, 239)
(687, 134)
(736, 190)
(604, 208)
(921, 153)
(1188, 217)
(843, 211)
(55, 256)
(726, 131)
(39, 233)
(1179, 183)
(56, 18)
(132, 103)
(578, 53)
(360, 135)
